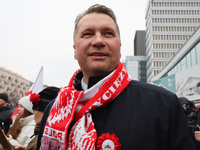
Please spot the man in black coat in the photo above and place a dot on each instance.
(6, 110)
(102, 108)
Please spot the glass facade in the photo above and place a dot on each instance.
(136, 67)
(133, 69)
(191, 59)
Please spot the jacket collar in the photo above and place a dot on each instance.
(92, 80)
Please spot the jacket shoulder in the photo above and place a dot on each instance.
(150, 88)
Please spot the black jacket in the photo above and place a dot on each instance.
(143, 117)
(5, 114)
(194, 119)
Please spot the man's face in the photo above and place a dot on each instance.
(37, 116)
(199, 89)
(97, 45)
(2, 103)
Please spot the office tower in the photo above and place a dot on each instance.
(139, 43)
(169, 23)
(136, 67)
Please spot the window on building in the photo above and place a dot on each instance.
(188, 58)
(188, 20)
(193, 57)
(172, 71)
(163, 46)
(183, 64)
(198, 53)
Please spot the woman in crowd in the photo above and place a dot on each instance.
(40, 101)
(23, 124)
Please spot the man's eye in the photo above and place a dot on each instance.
(87, 34)
(109, 33)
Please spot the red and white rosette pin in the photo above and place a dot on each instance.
(108, 142)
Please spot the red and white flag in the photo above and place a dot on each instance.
(36, 87)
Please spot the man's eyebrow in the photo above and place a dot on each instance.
(86, 29)
(108, 28)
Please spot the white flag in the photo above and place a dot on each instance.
(38, 84)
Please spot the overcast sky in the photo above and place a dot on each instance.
(35, 33)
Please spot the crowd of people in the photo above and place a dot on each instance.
(101, 107)
(23, 131)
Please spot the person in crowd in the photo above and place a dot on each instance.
(23, 124)
(197, 133)
(188, 107)
(39, 101)
(6, 110)
(193, 117)
(102, 107)
(198, 86)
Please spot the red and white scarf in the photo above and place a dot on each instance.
(72, 104)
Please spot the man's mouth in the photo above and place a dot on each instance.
(97, 55)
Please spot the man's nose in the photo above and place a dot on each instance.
(98, 41)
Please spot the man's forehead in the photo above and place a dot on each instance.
(103, 20)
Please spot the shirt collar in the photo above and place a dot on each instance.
(92, 81)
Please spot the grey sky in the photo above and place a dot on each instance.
(35, 33)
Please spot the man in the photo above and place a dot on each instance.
(6, 110)
(102, 108)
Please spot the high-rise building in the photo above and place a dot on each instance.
(169, 23)
(136, 67)
(139, 43)
(182, 73)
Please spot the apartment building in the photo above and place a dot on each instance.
(169, 24)
(14, 85)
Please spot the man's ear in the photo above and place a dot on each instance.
(75, 57)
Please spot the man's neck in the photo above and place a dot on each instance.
(91, 81)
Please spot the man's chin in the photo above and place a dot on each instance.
(100, 70)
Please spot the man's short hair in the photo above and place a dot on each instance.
(97, 8)
(198, 84)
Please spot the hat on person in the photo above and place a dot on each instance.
(42, 99)
(183, 100)
(26, 103)
(4, 97)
